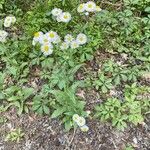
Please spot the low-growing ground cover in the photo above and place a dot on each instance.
(75, 71)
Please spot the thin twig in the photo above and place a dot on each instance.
(114, 144)
(74, 132)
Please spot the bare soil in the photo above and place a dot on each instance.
(42, 133)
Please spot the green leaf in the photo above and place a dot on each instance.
(27, 92)
(48, 63)
(124, 77)
(128, 12)
(58, 112)
(62, 84)
(13, 70)
(104, 89)
(68, 125)
(46, 110)
(117, 80)
(2, 96)
(13, 98)
(147, 9)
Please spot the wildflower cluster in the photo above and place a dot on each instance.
(3, 35)
(46, 41)
(88, 7)
(81, 122)
(61, 16)
(7, 23)
(9, 20)
(70, 41)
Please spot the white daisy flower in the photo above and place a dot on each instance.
(13, 19)
(74, 44)
(58, 39)
(3, 35)
(58, 18)
(38, 36)
(86, 13)
(68, 38)
(90, 6)
(7, 21)
(44, 40)
(47, 49)
(84, 128)
(81, 8)
(52, 36)
(81, 121)
(88, 112)
(34, 42)
(65, 17)
(75, 117)
(98, 9)
(81, 39)
(64, 46)
(7, 24)
(56, 12)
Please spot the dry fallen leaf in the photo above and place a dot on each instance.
(81, 94)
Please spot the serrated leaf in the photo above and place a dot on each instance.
(46, 110)
(57, 112)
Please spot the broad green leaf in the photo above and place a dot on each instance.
(57, 112)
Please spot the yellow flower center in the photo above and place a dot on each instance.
(75, 44)
(80, 121)
(51, 35)
(46, 48)
(90, 5)
(81, 38)
(37, 34)
(81, 6)
(45, 40)
(75, 118)
(69, 38)
(65, 17)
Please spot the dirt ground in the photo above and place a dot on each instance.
(42, 133)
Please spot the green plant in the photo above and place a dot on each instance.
(3, 119)
(109, 66)
(103, 83)
(117, 72)
(120, 29)
(41, 104)
(2, 77)
(120, 113)
(2, 4)
(63, 76)
(135, 109)
(112, 111)
(120, 73)
(129, 147)
(14, 135)
(67, 104)
(18, 97)
(18, 70)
